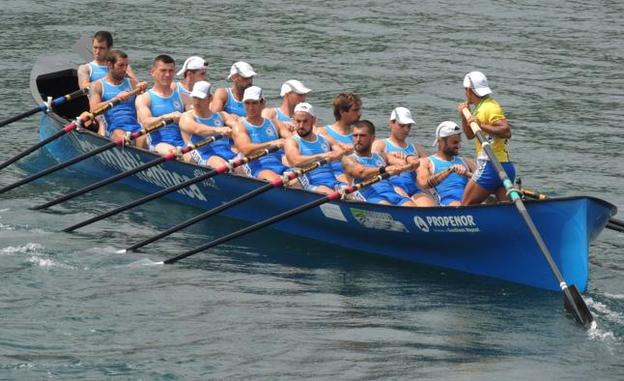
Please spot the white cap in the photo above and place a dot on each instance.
(293, 85)
(201, 90)
(445, 129)
(192, 63)
(402, 115)
(477, 81)
(252, 93)
(241, 68)
(305, 107)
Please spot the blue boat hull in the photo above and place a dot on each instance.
(484, 240)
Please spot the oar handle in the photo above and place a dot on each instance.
(89, 116)
(70, 97)
(202, 143)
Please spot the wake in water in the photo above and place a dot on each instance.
(143, 263)
(602, 311)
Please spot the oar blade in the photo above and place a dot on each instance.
(579, 309)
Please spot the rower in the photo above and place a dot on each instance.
(445, 172)
(253, 133)
(193, 70)
(292, 92)
(97, 69)
(122, 118)
(200, 122)
(347, 108)
(489, 115)
(230, 99)
(364, 164)
(161, 102)
(307, 147)
(405, 183)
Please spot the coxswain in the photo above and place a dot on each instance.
(489, 115)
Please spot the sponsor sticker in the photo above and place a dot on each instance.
(377, 220)
(447, 224)
(333, 211)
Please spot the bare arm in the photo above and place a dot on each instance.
(229, 119)
(353, 169)
(244, 144)
(83, 76)
(499, 128)
(465, 123)
(284, 129)
(219, 99)
(296, 159)
(144, 113)
(268, 113)
(189, 125)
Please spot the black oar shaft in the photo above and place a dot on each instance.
(149, 197)
(280, 217)
(572, 298)
(240, 199)
(59, 166)
(33, 148)
(251, 228)
(43, 107)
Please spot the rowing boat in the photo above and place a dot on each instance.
(486, 240)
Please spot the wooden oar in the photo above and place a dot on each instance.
(280, 217)
(122, 175)
(573, 300)
(79, 158)
(288, 176)
(613, 224)
(79, 122)
(211, 173)
(46, 106)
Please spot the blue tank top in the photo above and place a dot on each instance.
(404, 180)
(452, 186)
(373, 161)
(319, 145)
(164, 105)
(221, 148)
(340, 138)
(97, 71)
(279, 115)
(123, 115)
(266, 132)
(233, 106)
(182, 90)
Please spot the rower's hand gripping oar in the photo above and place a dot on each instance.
(130, 172)
(285, 179)
(46, 107)
(280, 217)
(234, 163)
(573, 300)
(613, 223)
(117, 142)
(79, 122)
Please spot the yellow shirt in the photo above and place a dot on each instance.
(488, 111)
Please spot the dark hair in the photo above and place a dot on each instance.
(343, 102)
(105, 36)
(365, 124)
(114, 55)
(164, 58)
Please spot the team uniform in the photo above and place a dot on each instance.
(381, 190)
(320, 176)
(452, 187)
(123, 116)
(266, 132)
(340, 138)
(404, 180)
(279, 115)
(97, 71)
(221, 147)
(233, 106)
(160, 106)
(488, 111)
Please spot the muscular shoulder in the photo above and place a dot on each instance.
(379, 145)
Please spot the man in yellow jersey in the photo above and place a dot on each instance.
(489, 114)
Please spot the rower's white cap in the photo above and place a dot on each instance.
(293, 85)
(241, 68)
(305, 107)
(477, 81)
(201, 90)
(252, 93)
(446, 129)
(402, 115)
(192, 63)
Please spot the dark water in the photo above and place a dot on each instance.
(275, 307)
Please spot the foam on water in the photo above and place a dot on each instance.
(605, 311)
(143, 263)
(47, 262)
(27, 248)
